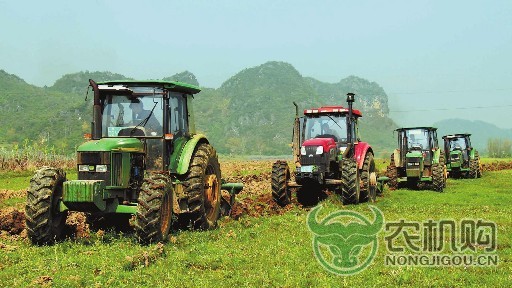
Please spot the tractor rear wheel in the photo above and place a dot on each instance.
(392, 174)
(442, 161)
(368, 169)
(479, 171)
(474, 167)
(154, 210)
(438, 179)
(281, 194)
(200, 204)
(45, 223)
(350, 181)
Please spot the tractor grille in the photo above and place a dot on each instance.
(94, 158)
(413, 162)
(455, 157)
(117, 167)
(311, 158)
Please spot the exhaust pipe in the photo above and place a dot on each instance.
(96, 112)
(348, 152)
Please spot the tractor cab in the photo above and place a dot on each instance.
(151, 113)
(418, 142)
(462, 160)
(327, 127)
(457, 148)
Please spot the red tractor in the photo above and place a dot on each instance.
(328, 154)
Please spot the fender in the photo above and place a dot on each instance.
(185, 155)
(360, 152)
(435, 156)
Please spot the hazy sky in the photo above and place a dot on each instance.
(427, 55)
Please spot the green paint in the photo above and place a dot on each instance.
(170, 85)
(126, 209)
(232, 188)
(180, 162)
(78, 192)
(113, 144)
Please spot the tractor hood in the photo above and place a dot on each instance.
(113, 144)
(414, 154)
(326, 143)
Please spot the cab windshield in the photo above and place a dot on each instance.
(417, 139)
(326, 126)
(137, 115)
(457, 144)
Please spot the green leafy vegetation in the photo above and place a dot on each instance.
(499, 148)
(250, 114)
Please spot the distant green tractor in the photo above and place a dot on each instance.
(418, 162)
(143, 159)
(462, 160)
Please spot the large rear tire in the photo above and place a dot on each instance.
(45, 224)
(438, 177)
(368, 168)
(200, 206)
(442, 161)
(479, 171)
(350, 181)
(392, 174)
(154, 210)
(474, 167)
(281, 194)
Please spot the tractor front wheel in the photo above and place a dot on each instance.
(350, 187)
(368, 169)
(281, 194)
(200, 206)
(154, 210)
(45, 223)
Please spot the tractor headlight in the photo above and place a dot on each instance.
(101, 168)
(83, 168)
(319, 150)
(302, 150)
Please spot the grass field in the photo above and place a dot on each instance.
(269, 250)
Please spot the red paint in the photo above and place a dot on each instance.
(361, 149)
(326, 143)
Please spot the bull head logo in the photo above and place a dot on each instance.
(338, 246)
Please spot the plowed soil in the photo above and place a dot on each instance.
(496, 166)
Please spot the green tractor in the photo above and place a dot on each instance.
(143, 161)
(462, 160)
(418, 162)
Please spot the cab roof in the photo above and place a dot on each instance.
(453, 136)
(170, 85)
(330, 110)
(414, 128)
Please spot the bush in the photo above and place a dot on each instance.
(31, 156)
(499, 148)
